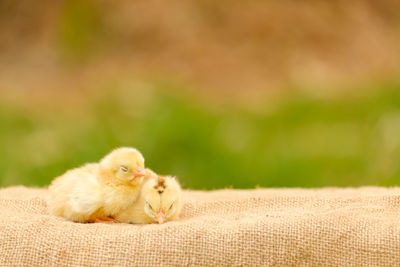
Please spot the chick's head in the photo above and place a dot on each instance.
(149, 174)
(125, 165)
(163, 198)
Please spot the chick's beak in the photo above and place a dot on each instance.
(160, 216)
(139, 172)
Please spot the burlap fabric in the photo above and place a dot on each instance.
(263, 227)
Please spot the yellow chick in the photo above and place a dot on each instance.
(159, 201)
(96, 192)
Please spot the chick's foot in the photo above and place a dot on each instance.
(103, 220)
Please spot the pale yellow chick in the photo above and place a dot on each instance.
(96, 192)
(159, 201)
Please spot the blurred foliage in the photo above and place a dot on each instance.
(222, 44)
(80, 28)
(303, 141)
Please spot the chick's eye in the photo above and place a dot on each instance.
(148, 204)
(124, 168)
(172, 204)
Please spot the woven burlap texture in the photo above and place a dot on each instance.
(262, 227)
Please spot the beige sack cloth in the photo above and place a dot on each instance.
(263, 227)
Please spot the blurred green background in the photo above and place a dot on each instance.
(274, 99)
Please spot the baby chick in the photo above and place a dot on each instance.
(97, 191)
(159, 201)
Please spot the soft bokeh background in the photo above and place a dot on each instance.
(220, 93)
